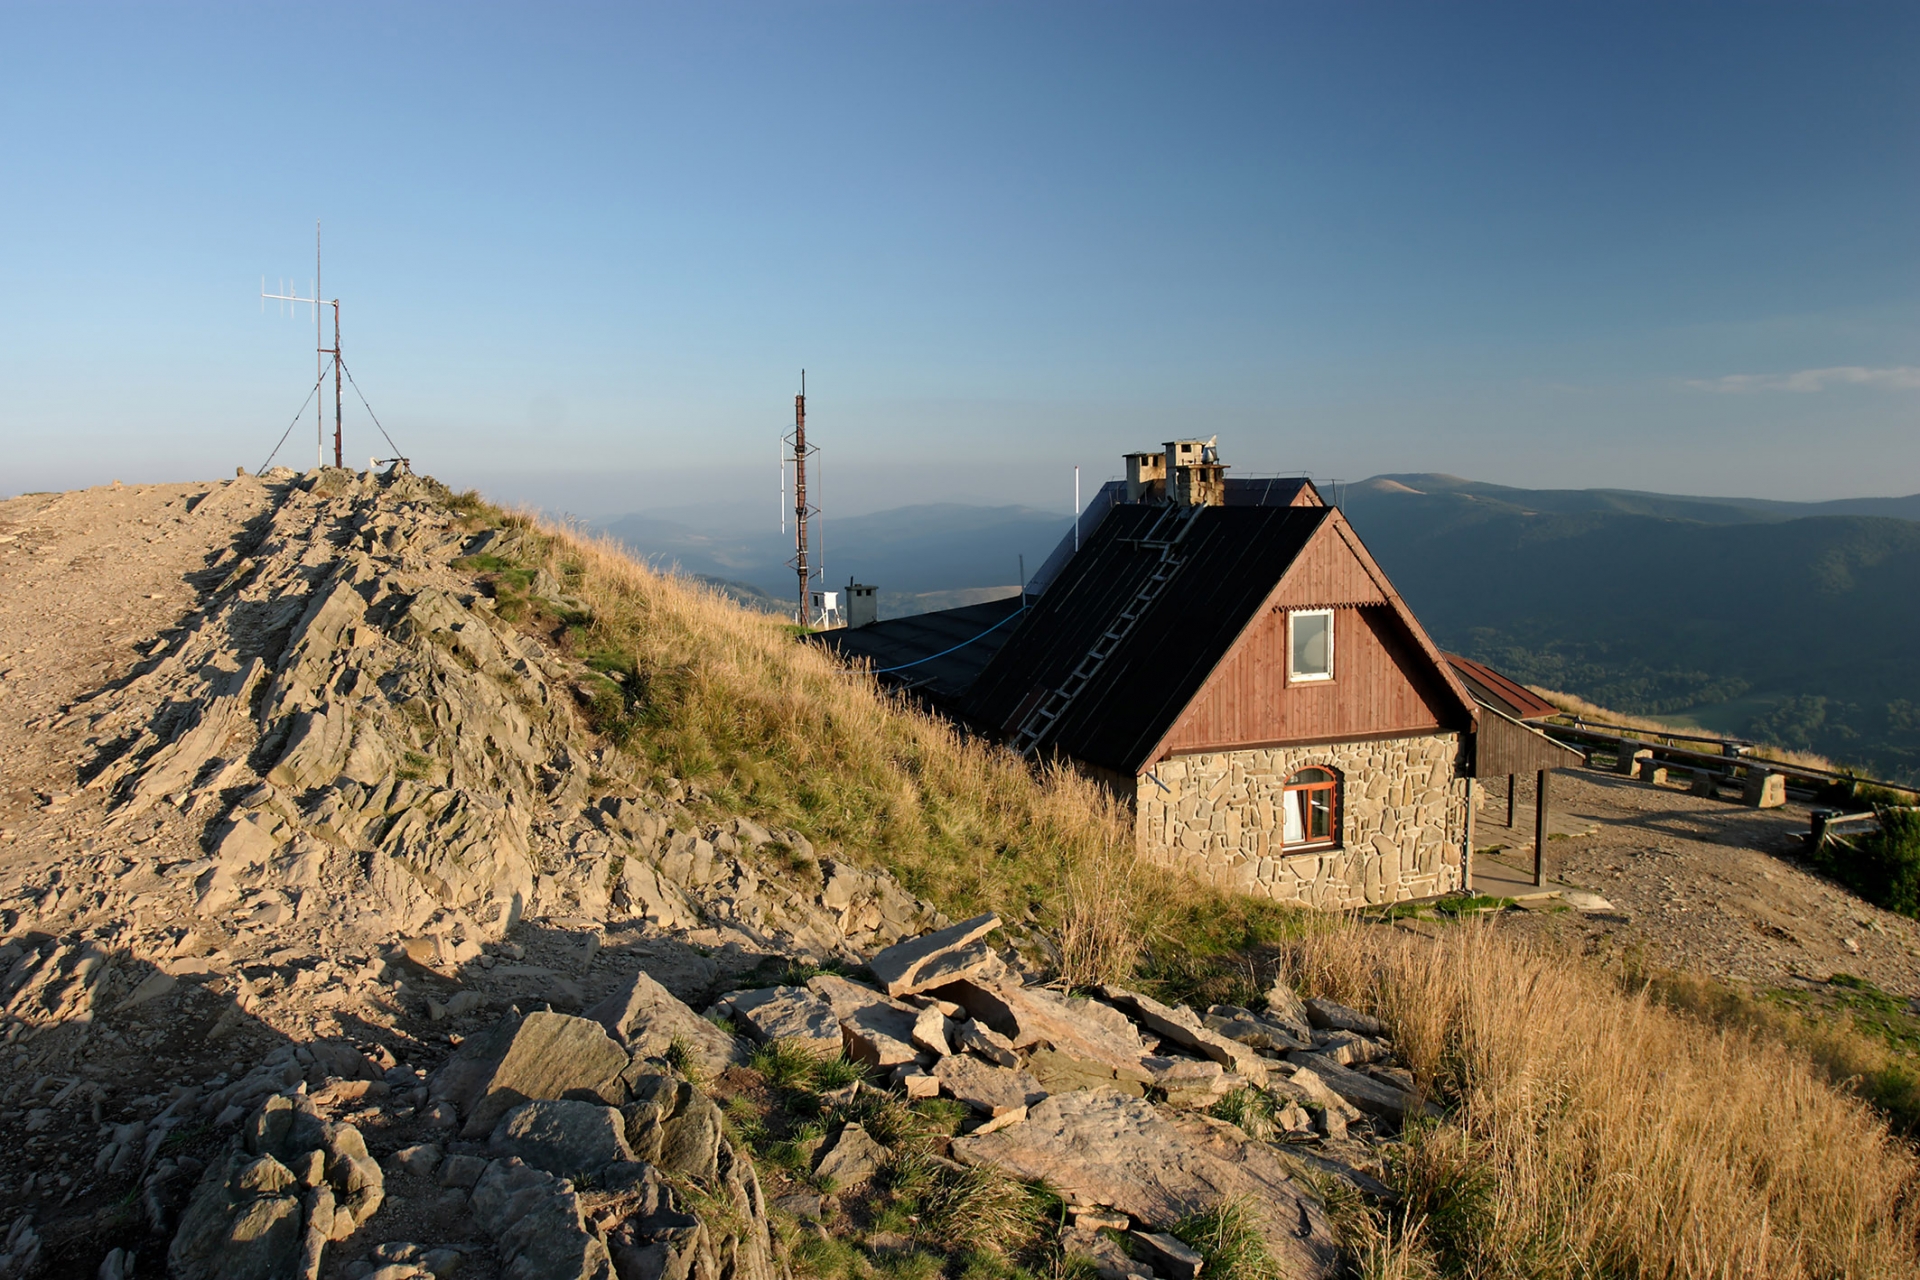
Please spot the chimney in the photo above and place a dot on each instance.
(1146, 476)
(1195, 476)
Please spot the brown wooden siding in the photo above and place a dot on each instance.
(1326, 573)
(1381, 684)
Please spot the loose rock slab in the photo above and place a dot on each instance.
(876, 1030)
(792, 1014)
(993, 1090)
(1102, 1148)
(934, 958)
(1182, 1026)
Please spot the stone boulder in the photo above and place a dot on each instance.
(266, 1209)
(648, 1019)
(850, 1158)
(672, 1124)
(1255, 1030)
(933, 959)
(544, 1055)
(537, 1225)
(875, 1030)
(562, 1136)
(793, 1014)
(1104, 1148)
(1289, 1010)
(1374, 1096)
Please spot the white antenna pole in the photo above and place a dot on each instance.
(1076, 508)
(780, 448)
(319, 362)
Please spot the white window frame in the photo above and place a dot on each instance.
(1297, 677)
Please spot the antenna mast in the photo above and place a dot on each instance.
(321, 352)
(802, 570)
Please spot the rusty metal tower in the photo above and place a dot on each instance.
(801, 451)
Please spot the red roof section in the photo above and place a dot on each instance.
(1499, 692)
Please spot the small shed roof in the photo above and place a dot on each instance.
(937, 655)
(1491, 689)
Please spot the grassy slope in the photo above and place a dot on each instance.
(1593, 1132)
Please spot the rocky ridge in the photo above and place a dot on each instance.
(349, 950)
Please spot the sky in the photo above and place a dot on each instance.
(583, 252)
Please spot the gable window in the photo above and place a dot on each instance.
(1310, 645)
(1309, 816)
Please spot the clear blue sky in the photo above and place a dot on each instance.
(584, 251)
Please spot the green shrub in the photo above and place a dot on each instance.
(1883, 868)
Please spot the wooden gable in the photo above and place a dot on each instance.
(1388, 678)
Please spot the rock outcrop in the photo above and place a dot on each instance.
(433, 944)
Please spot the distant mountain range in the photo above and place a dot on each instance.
(1793, 622)
(940, 548)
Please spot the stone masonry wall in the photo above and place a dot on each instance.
(1402, 817)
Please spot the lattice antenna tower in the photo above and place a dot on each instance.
(794, 452)
(290, 300)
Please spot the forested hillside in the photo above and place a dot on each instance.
(1744, 616)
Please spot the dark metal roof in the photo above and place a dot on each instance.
(1271, 491)
(1233, 557)
(937, 655)
(1504, 695)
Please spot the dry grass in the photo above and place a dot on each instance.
(1573, 704)
(1593, 1133)
(726, 699)
(1601, 1134)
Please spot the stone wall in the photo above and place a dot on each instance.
(1402, 818)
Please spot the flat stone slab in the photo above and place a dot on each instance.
(1375, 1097)
(1103, 1148)
(875, 1030)
(914, 965)
(793, 1014)
(990, 1089)
(1183, 1026)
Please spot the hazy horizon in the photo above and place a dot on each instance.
(583, 254)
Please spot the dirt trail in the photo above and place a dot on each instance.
(89, 581)
(1706, 885)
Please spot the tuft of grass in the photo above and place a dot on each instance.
(791, 1065)
(1860, 1038)
(681, 1056)
(1250, 1108)
(976, 1207)
(1228, 1238)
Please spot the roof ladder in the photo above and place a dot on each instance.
(1168, 532)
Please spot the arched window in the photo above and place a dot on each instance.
(1310, 814)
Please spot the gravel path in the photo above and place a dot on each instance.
(1707, 885)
